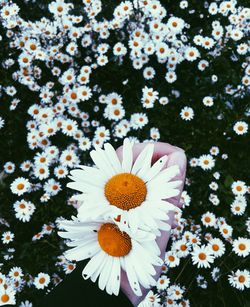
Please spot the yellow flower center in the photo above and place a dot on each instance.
(113, 241)
(125, 191)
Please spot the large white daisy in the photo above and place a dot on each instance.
(135, 192)
(112, 247)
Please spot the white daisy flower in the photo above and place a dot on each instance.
(187, 113)
(239, 205)
(208, 101)
(239, 187)
(135, 192)
(217, 247)
(41, 281)
(16, 273)
(240, 127)
(226, 230)
(162, 283)
(20, 186)
(240, 279)
(7, 237)
(206, 162)
(112, 247)
(191, 54)
(202, 256)
(7, 296)
(175, 24)
(241, 247)
(151, 300)
(9, 167)
(171, 259)
(181, 247)
(208, 219)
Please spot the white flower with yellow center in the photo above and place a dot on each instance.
(112, 247)
(135, 192)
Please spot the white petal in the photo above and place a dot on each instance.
(94, 211)
(90, 178)
(84, 187)
(147, 162)
(99, 159)
(82, 252)
(112, 157)
(103, 259)
(113, 285)
(164, 226)
(132, 278)
(105, 161)
(168, 173)
(155, 169)
(142, 157)
(144, 277)
(93, 265)
(105, 273)
(127, 156)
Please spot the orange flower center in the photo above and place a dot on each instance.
(215, 247)
(171, 258)
(125, 191)
(242, 246)
(113, 241)
(241, 278)
(20, 186)
(202, 256)
(42, 280)
(5, 298)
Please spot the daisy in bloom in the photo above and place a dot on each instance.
(175, 292)
(239, 205)
(171, 259)
(241, 247)
(20, 185)
(134, 192)
(9, 167)
(239, 187)
(191, 54)
(7, 296)
(217, 247)
(16, 273)
(208, 219)
(69, 267)
(226, 230)
(240, 279)
(112, 246)
(240, 127)
(151, 300)
(41, 280)
(162, 283)
(7, 237)
(202, 256)
(206, 162)
(187, 113)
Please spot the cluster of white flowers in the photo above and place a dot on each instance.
(61, 58)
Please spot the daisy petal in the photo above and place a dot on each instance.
(127, 156)
(155, 169)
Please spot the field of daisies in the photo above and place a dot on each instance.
(77, 74)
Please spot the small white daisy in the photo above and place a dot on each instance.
(202, 256)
